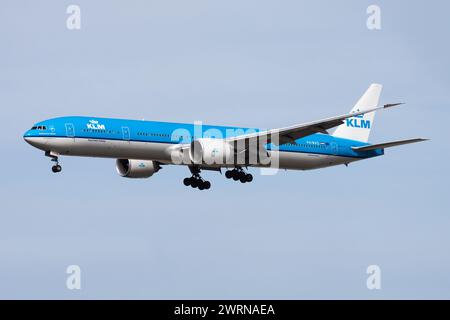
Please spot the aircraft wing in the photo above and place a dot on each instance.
(292, 133)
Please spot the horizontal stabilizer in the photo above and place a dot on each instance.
(387, 144)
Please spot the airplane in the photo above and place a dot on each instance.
(142, 148)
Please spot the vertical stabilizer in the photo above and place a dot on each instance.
(358, 128)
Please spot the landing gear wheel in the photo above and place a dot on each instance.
(238, 174)
(207, 185)
(187, 181)
(201, 185)
(229, 174)
(56, 168)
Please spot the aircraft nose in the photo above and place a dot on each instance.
(27, 136)
(37, 142)
(28, 139)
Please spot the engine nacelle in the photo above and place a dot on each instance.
(136, 168)
(210, 151)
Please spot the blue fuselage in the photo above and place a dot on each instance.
(97, 130)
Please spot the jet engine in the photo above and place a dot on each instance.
(210, 151)
(136, 168)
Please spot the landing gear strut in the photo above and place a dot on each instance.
(196, 181)
(56, 167)
(239, 174)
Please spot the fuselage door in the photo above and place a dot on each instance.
(70, 130)
(126, 133)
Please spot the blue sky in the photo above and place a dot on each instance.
(249, 63)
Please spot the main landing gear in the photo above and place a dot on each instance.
(239, 174)
(196, 181)
(56, 167)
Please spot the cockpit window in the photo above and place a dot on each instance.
(33, 128)
(39, 128)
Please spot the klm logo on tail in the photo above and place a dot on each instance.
(358, 122)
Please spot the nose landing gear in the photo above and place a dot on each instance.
(56, 167)
(239, 174)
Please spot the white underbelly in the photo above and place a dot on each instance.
(120, 149)
(110, 148)
(309, 161)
